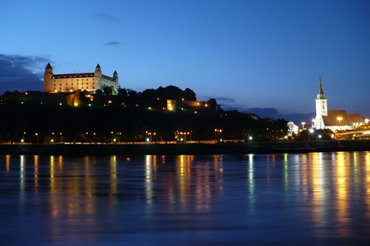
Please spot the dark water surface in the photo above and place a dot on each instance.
(309, 199)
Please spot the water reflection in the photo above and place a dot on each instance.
(327, 195)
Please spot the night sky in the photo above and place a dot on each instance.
(261, 56)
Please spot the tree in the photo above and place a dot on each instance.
(212, 104)
(107, 90)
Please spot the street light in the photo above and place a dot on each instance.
(217, 131)
(367, 121)
(303, 123)
(37, 138)
(309, 133)
(339, 118)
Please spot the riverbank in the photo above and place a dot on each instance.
(186, 149)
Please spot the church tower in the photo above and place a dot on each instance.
(321, 106)
(48, 75)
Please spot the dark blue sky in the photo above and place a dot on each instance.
(246, 54)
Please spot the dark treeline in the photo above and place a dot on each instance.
(128, 116)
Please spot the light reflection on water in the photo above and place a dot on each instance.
(216, 199)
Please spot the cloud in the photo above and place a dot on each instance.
(263, 112)
(112, 43)
(104, 17)
(225, 99)
(219, 99)
(21, 73)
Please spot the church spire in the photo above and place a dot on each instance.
(320, 94)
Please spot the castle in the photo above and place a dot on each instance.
(333, 119)
(79, 81)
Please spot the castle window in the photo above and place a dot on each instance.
(82, 79)
(77, 79)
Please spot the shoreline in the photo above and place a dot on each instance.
(186, 149)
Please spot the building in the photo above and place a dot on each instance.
(335, 120)
(79, 81)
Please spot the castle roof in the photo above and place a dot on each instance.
(48, 66)
(73, 75)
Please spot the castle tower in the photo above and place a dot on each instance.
(48, 75)
(97, 72)
(321, 106)
(115, 76)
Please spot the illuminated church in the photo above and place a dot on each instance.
(335, 120)
(79, 81)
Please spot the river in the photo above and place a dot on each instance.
(255, 199)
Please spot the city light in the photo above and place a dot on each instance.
(151, 134)
(217, 131)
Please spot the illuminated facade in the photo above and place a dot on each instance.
(79, 81)
(333, 119)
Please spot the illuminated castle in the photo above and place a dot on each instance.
(79, 81)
